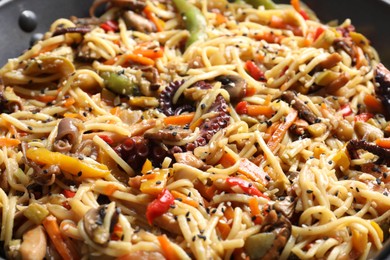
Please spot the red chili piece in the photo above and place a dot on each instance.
(159, 206)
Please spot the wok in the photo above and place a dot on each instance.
(370, 17)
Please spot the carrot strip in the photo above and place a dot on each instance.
(69, 101)
(224, 229)
(227, 160)
(53, 230)
(139, 59)
(220, 19)
(373, 104)
(252, 171)
(110, 189)
(115, 111)
(185, 199)
(383, 142)
(254, 206)
(167, 249)
(160, 24)
(197, 123)
(279, 133)
(46, 49)
(179, 120)
(46, 99)
(148, 53)
(257, 110)
(229, 213)
(8, 142)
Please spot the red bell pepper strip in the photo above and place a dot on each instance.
(159, 206)
(297, 7)
(346, 110)
(363, 117)
(107, 139)
(68, 193)
(254, 71)
(242, 107)
(110, 26)
(318, 33)
(246, 186)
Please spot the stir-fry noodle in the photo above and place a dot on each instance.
(203, 129)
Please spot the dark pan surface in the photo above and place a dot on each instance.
(370, 17)
(13, 40)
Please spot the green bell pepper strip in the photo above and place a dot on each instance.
(268, 4)
(194, 20)
(120, 84)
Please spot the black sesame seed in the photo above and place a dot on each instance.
(79, 173)
(267, 177)
(378, 181)
(202, 237)
(309, 191)
(158, 182)
(29, 128)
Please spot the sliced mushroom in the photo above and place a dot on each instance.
(49, 65)
(138, 22)
(86, 54)
(165, 221)
(286, 206)
(304, 111)
(280, 226)
(190, 159)
(234, 85)
(171, 134)
(330, 61)
(135, 5)
(40, 70)
(94, 221)
(34, 244)
(9, 102)
(67, 135)
(64, 30)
